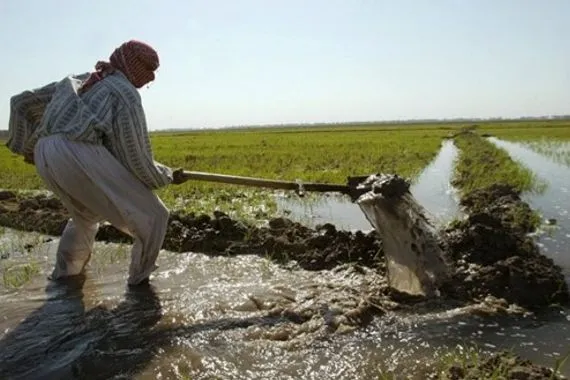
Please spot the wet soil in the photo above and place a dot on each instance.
(501, 365)
(282, 240)
(492, 259)
(494, 255)
(323, 247)
(489, 252)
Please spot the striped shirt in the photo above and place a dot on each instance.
(109, 114)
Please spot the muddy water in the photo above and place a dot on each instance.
(208, 317)
(432, 189)
(553, 203)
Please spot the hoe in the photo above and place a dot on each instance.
(414, 257)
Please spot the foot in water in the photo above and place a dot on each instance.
(145, 282)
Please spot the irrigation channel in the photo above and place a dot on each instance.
(553, 202)
(432, 189)
(222, 316)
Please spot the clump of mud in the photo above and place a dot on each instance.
(493, 254)
(501, 365)
(39, 213)
(324, 247)
(282, 240)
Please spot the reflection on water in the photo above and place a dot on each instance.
(432, 189)
(320, 209)
(197, 320)
(553, 203)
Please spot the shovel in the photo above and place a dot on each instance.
(414, 259)
(354, 187)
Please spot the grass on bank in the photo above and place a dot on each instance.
(480, 164)
(470, 362)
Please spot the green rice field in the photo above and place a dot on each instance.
(326, 153)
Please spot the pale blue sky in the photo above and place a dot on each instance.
(257, 62)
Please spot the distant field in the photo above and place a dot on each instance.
(525, 131)
(323, 154)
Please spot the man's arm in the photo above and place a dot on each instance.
(131, 146)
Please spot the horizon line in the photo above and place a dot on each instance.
(372, 122)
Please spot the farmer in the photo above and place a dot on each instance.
(87, 137)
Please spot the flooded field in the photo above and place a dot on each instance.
(558, 150)
(289, 301)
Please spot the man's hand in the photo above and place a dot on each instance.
(178, 176)
(29, 159)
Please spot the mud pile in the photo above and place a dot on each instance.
(39, 213)
(324, 247)
(493, 254)
(500, 365)
(314, 249)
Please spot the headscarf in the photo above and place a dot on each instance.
(135, 59)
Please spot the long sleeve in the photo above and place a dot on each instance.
(26, 112)
(130, 144)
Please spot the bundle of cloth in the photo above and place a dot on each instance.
(87, 136)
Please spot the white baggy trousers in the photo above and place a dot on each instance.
(94, 186)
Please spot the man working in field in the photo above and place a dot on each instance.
(88, 139)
